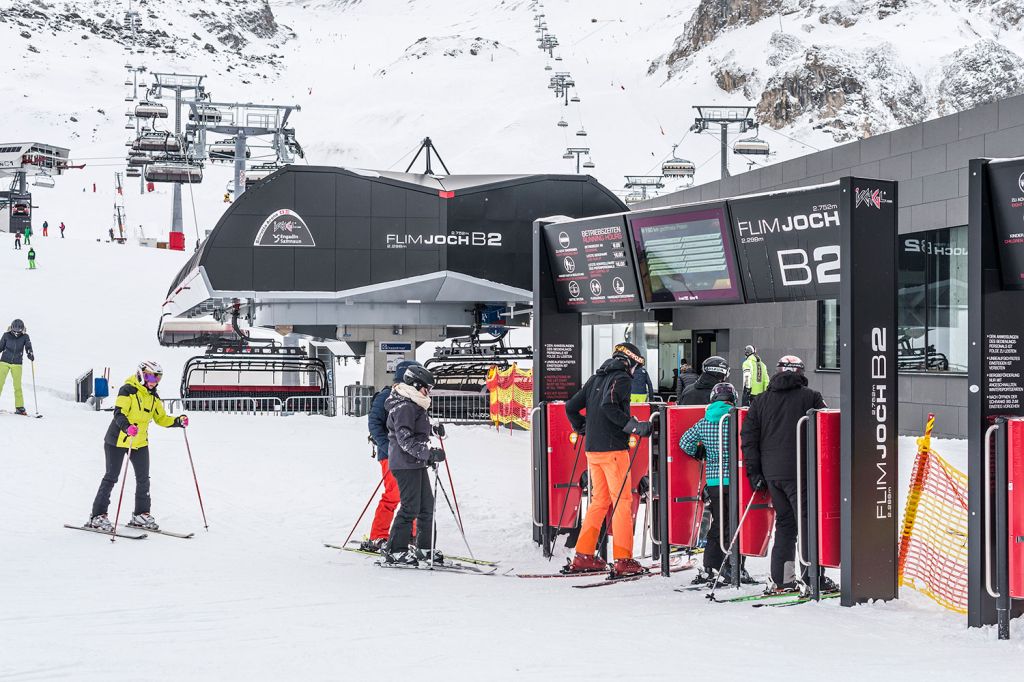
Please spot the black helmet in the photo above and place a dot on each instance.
(748, 351)
(723, 392)
(17, 327)
(401, 367)
(630, 353)
(418, 377)
(791, 363)
(716, 364)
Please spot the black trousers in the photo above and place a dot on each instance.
(115, 459)
(416, 502)
(713, 555)
(783, 495)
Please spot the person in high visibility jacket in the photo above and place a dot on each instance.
(136, 406)
(755, 375)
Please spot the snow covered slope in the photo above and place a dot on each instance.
(258, 597)
(373, 78)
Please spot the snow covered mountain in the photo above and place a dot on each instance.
(373, 78)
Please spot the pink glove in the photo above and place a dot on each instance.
(132, 431)
(183, 421)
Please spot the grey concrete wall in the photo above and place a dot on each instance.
(929, 161)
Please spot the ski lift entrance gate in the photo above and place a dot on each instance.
(831, 241)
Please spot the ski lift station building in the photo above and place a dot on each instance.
(381, 261)
(929, 161)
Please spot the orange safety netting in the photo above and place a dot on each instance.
(933, 540)
(511, 392)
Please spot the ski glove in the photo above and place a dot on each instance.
(132, 430)
(31, 357)
(640, 428)
(438, 430)
(699, 453)
(435, 455)
(757, 482)
(181, 422)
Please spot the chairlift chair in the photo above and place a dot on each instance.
(751, 146)
(135, 159)
(205, 114)
(678, 168)
(177, 172)
(133, 172)
(156, 141)
(562, 123)
(589, 164)
(581, 133)
(568, 155)
(258, 172)
(128, 82)
(224, 150)
(574, 98)
(129, 126)
(146, 109)
(43, 180)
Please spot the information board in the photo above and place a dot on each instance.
(1006, 197)
(685, 256)
(592, 266)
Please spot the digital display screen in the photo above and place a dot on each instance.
(686, 256)
(592, 265)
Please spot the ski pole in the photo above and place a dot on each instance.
(568, 491)
(433, 522)
(194, 478)
(120, 498)
(362, 513)
(451, 484)
(35, 396)
(735, 537)
(629, 471)
(461, 529)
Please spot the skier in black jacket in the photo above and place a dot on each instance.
(714, 370)
(14, 345)
(606, 430)
(409, 456)
(769, 457)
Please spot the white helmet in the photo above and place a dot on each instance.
(148, 367)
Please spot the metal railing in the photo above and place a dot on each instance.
(461, 409)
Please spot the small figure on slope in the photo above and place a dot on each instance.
(409, 456)
(137, 404)
(389, 499)
(46, 228)
(606, 430)
(31, 258)
(17, 241)
(61, 229)
(15, 344)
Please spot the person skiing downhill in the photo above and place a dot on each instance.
(713, 371)
(769, 456)
(14, 345)
(136, 405)
(61, 229)
(389, 499)
(606, 430)
(409, 457)
(755, 375)
(700, 441)
(46, 228)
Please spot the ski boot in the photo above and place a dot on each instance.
(703, 577)
(585, 563)
(826, 584)
(784, 588)
(376, 546)
(424, 555)
(100, 522)
(407, 557)
(746, 578)
(144, 520)
(629, 566)
(21, 411)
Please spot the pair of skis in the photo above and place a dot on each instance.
(18, 414)
(611, 579)
(353, 546)
(451, 563)
(126, 532)
(760, 599)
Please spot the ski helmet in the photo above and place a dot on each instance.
(418, 377)
(748, 351)
(716, 364)
(401, 367)
(149, 368)
(723, 392)
(630, 353)
(791, 363)
(17, 327)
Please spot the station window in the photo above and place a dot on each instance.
(931, 306)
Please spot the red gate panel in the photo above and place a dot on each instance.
(1015, 505)
(562, 481)
(827, 424)
(642, 461)
(756, 530)
(685, 478)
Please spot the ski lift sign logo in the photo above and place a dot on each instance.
(284, 228)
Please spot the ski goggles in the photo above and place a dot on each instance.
(151, 378)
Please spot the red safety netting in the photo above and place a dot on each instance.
(933, 540)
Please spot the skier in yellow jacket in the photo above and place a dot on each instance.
(136, 406)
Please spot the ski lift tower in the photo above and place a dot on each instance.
(244, 121)
(178, 84)
(724, 117)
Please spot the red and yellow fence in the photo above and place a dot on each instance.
(511, 391)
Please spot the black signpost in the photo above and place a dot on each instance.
(995, 372)
(825, 242)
